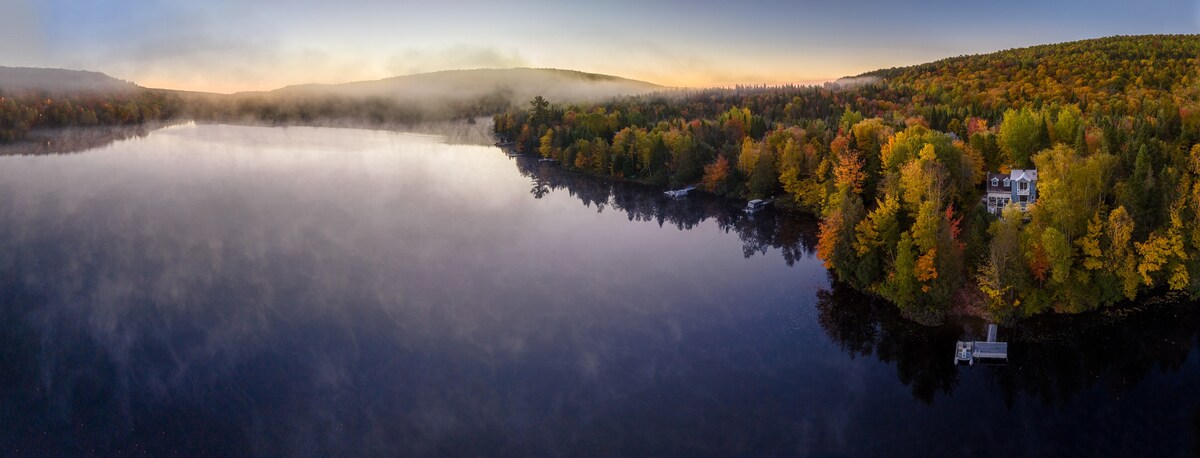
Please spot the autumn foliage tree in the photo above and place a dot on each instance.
(716, 176)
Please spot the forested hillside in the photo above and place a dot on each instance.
(32, 98)
(894, 160)
(410, 99)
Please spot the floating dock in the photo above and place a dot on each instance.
(990, 350)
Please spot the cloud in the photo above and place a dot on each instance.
(680, 66)
(162, 44)
(203, 57)
(853, 81)
(461, 56)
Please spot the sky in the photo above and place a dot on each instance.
(232, 45)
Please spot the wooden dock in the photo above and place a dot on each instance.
(990, 350)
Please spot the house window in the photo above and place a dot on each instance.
(1023, 198)
(995, 182)
(1024, 186)
(1006, 182)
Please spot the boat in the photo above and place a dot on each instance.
(505, 144)
(679, 193)
(546, 159)
(755, 205)
(964, 353)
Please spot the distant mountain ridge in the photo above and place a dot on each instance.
(517, 84)
(60, 80)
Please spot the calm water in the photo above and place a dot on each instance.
(326, 292)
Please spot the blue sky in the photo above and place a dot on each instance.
(225, 46)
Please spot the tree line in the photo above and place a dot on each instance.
(23, 111)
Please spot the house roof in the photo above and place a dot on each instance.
(1026, 174)
(1000, 183)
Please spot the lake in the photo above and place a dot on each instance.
(224, 290)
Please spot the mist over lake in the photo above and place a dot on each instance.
(224, 290)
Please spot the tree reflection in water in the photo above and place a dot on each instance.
(75, 140)
(1050, 358)
(866, 326)
(538, 188)
(1057, 356)
(794, 235)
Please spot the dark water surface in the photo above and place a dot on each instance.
(328, 292)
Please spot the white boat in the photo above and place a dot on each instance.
(756, 205)
(677, 193)
(964, 353)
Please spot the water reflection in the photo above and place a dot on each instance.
(79, 139)
(1060, 356)
(74, 140)
(864, 326)
(1051, 358)
(793, 234)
